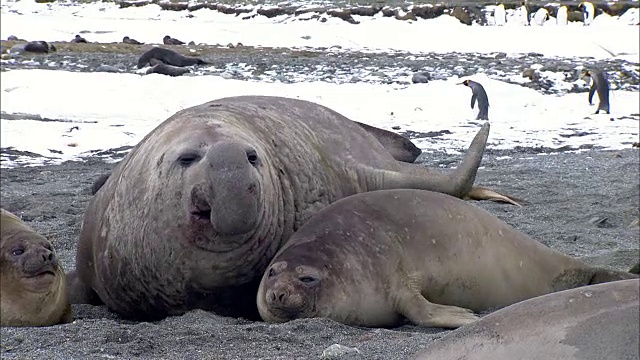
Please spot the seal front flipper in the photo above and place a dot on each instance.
(420, 311)
(483, 193)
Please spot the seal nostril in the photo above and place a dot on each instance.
(281, 297)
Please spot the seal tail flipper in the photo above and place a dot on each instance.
(421, 312)
(411, 176)
(483, 193)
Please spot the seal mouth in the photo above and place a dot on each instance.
(47, 270)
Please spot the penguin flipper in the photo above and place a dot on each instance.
(592, 91)
(473, 100)
(483, 193)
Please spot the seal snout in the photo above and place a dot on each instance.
(41, 261)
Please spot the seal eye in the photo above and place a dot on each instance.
(252, 156)
(17, 251)
(308, 280)
(187, 159)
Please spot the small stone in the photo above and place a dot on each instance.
(336, 350)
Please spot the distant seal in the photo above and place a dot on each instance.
(478, 93)
(376, 258)
(128, 40)
(168, 57)
(14, 38)
(168, 40)
(78, 39)
(33, 291)
(587, 323)
(600, 83)
(166, 69)
(191, 217)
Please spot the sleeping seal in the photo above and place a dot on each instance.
(169, 57)
(165, 69)
(191, 217)
(376, 258)
(33, 291)
(588, 323)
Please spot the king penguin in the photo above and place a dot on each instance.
(600, 83)
(478, 93)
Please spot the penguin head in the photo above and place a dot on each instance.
(465, 83)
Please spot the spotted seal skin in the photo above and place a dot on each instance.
(377, 258)
(588, 323)
(191, 217)
(168, 57)
(33, 291)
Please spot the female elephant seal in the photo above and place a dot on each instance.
(191, 217)
(33, 291)
(376, 258)
(588, 323)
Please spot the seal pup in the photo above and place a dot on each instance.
(191, 217)
(500, 15)
(78, 39)
(375, 258)
(168, 57)
(165, 69)
(478, 93)
(586, 323)
(588, 12)
(600, 83)
(168, 40)
(33, 291)
(562, 16)
(128, 40)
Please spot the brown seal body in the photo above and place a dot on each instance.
(168, 57)
(164, 69)
(588, 323)
(375, 258)
(33, 291)
(192, 216)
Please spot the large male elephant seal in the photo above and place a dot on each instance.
(588, 323)
(376, 258)
(191, 217)
(33, 291)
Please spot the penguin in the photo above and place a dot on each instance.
(588, 12)
(540, 17)
(79, 39)
(168, 40)
(128, 40)
(600, 83)
(480, 94)
(562, 16)
(500, 15)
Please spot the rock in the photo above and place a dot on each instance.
(461, 14)
(107, 68)
(173, 6)
(335, 351)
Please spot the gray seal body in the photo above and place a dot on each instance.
(601, 84)
(478, 93)
(168, 57)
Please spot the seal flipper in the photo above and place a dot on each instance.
(79, 293)
(420, 311)
(483, 193)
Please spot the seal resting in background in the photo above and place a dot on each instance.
(165, 69)
(39, 46)
(130, 41)
(191, 217)
(588, 323)
(79, 39)
(169, 57)
(378, 258)
(168, 40)
(33, 291)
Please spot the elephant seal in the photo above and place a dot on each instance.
(376, 258)
(130, 41)
(588, 323)
(33, 291)
(168, 40)
(169, 57)
(191, 217)
(165, 69)
(39, 46)
(79, 39)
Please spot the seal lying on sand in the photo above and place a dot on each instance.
(588, 323)
(191, 217)
(375, 258)
(33, 291)
(169, 57)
